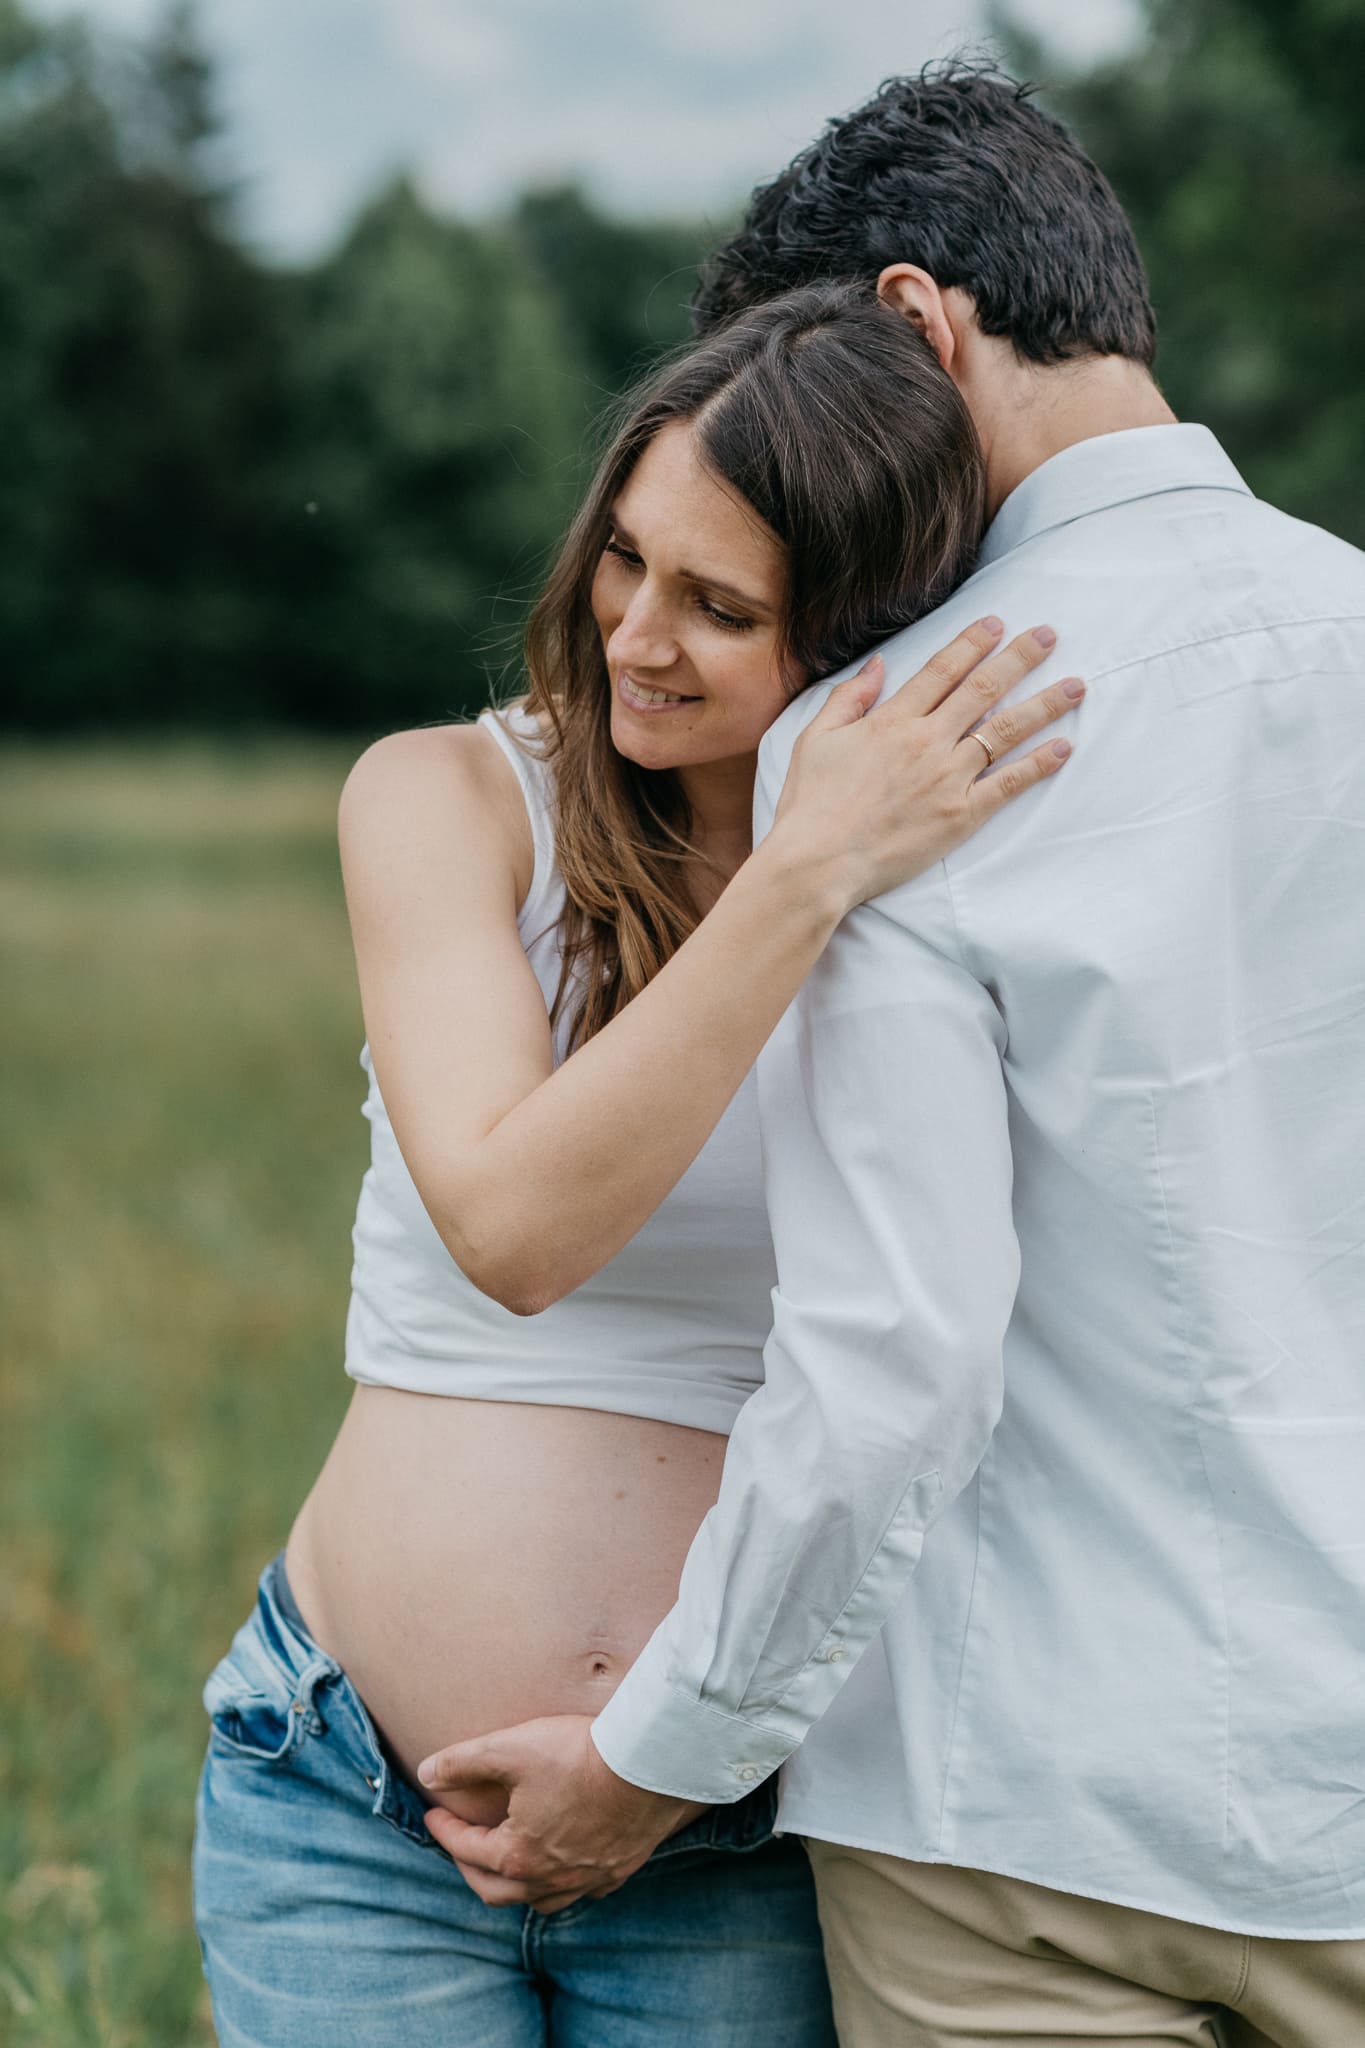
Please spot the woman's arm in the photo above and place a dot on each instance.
(533, 1176)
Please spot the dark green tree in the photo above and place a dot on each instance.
(1232, 133)
(54, 140)
(621, 287)
(181, 116)
(140, 362)
(432, 463)
(235, 493)
(447, 379)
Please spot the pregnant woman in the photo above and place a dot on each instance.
(569, 958)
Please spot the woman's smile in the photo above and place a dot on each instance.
(647, 697)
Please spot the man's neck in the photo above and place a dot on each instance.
(1031, 413)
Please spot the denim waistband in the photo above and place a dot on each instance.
(282, 1637)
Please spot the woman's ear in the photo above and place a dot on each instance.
(912, 293)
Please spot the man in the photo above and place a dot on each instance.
(1040, 1557)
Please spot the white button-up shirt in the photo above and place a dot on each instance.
(1045, 1537)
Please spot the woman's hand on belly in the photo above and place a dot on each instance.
(572, 1828)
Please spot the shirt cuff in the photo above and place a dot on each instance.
(654, 1736)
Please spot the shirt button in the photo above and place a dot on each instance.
(745, 1773)
(834, 1656)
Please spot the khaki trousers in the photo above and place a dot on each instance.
(922, 1955)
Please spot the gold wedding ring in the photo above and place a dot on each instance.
(982, 741)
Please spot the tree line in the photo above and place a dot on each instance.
(233, 493)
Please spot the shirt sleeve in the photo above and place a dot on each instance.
(889, 1181)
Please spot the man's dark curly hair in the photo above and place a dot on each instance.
(958, 171)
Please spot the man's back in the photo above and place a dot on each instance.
(1131, 1662)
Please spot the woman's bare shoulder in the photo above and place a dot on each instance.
(445, 765)
(448, 787)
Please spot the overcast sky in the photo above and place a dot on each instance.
(659, 105)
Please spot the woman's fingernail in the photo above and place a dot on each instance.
(1073, 688)
(1045, 636)
(1061, 748)
(992, 625)
(426, 1771)
(873, 665)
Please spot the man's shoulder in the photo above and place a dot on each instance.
(1204, 580)
(904, 654)
(1126, 588)
(1308, 565)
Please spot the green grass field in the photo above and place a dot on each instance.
(180, 1152)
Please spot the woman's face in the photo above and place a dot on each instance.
(688, 597)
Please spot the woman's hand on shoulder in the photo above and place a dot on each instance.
(878, 792)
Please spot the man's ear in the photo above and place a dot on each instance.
(912, 293)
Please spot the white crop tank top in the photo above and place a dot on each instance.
(672, 1328)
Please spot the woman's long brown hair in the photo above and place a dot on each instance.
(829, 415)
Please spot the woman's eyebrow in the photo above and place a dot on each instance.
(753, 604)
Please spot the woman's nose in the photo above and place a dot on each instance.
(643, 637)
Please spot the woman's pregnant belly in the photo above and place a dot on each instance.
(472, 1564)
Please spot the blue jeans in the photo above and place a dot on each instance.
(330, 1919)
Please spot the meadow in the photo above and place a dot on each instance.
(180, 1148)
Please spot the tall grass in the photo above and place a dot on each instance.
(180, 1148)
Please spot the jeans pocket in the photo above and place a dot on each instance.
(249, 1718)
(259, 1708)
(257, 1730)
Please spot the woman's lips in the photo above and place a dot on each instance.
(642, 697)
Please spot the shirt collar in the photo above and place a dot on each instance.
(1108, 469)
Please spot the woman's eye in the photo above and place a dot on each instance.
(729, 622)
(726, 620)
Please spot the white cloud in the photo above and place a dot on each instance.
(738, 31)
(1083, 31)
(663, 105)
(457, 42)
(692, 112)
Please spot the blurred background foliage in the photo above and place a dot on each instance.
(235, 494)
(1235, 136)
(320, 497)
(244, 499)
